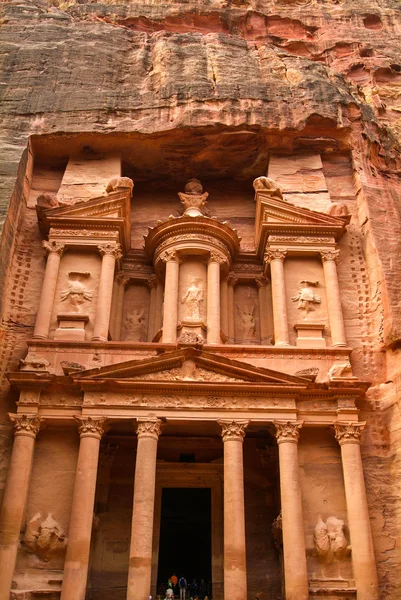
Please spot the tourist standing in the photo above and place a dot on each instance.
(183, 587)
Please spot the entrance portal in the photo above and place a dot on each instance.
(185, 537)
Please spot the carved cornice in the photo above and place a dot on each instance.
(28, 425)
(287, 431)
(271, 255)
(148, 428)
(330, 255)
(349, 433)
(53, 247)
(233, 430)
(91, 426)
(110, 249)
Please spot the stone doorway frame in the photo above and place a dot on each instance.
(193, 475)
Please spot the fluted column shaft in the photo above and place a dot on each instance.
(280, 319)
(213, 298)
(140, 558)
(110, 253)
(261, 283)
(170, 312)
(363, 558)
(232, 281)
(152, 307)
(48, 291)
(224, 306)
(81, 518)
(334, 308)
(235, 582)
(26, 428)
(295, 569)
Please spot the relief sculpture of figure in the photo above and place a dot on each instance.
(135, 324)
(44, 537)
(306, 297)
(330, 540)
(193, 299)
(77, 293)
(248, 323)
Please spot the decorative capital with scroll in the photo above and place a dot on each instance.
(170, 256)
(232, 279)
(330, 255)
(261, 281)
(110, 249)
(91, 426)
(53, 247)
(28, 425)
(271, 255)
(233, 430)
(287, 431)
(152, 281)
(122, 278)
(150, 428)
(217, 257)
(349, 433)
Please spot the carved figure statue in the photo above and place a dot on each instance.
(338, 210)
(267, 184)
(330, 540)
(119, 182)
(341, 371)
(47, 200)
(193, 299)
(44, 537)
(135, 323)
(306, 297)
(248, 323)
(77, 292)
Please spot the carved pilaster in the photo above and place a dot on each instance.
(91, 426)
(349, 433)
(110, 249)
(53, 247)
(233, 430)
(25, 424)
(150, 428)
(330, 255)
(287, 431)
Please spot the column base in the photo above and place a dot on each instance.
(339, 345)
(37, 336)
(282, 345)
(99, 339)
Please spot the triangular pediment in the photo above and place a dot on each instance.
(188, 366)
(276, 216)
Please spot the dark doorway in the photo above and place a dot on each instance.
(185, 537)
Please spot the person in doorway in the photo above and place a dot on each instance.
(193, 588)
(174, 581)
(203, 591)
(183, 587)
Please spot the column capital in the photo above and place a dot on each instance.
(110, 249)
(28, 425)
(233, 430)
(170, 256)
(150, 428)
(232, 279)
(152, 281)
(271, 255)
(287, 431)
(53, 247)
(91, 426)
(217, 257)
(122, 278)
(330, 255)
(261, 281)
(349, 433)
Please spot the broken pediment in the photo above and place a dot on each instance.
(188, 365)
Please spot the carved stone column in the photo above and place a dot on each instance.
(140, 559)
(261, 283)
(46, 302)
(348, 436)
(213, 298)
(334, 307)
(280, 319)
(110, 252)
(122, 281)
(159, 307)
(232, 282)
(235, 583)
(152, 282)
(224, 306)
(295, 570)
(81, 519)
(26, 428)
(170, 312)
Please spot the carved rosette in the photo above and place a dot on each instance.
(287, 431)
(110, 249)
(349, 433)
(91, 426)
(148, 428)
(53, 247)
(25, 424)
(170, 256)
(271, 255)
(330, 255)
(233, 430)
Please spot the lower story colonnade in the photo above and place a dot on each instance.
(142, 567)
